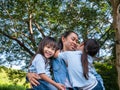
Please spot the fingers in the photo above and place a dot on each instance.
(34, 81)
(36, 76)
(31, 85)
(81, 44)
(63, 87)
(33, 77)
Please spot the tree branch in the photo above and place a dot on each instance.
(31, 31)
(40, 29)
(18, 41)
(107, 32)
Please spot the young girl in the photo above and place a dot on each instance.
(79, 64)
(40, 65)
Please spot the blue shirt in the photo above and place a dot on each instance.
(40, 65)
(60, 72)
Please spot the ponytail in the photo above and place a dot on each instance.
(91, 47)
(84, 61)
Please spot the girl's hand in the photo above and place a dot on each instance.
(56, 53)
(80, 46)
(61, 86)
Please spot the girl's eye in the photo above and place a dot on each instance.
(48, 46)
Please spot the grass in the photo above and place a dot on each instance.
(11, 87)
(12, 79)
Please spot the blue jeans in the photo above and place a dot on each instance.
(44, 86)
(98, 86)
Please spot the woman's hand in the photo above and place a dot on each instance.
(33, 77)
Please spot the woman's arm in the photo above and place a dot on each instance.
(33, 77)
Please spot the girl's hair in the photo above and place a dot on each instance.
(46, 41)
(91, 47)
(65, 35)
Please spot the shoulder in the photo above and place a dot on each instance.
(38, 57)
(78, 52)
(90, 59)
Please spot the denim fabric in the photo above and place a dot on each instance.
(98, 77)
(98, 86)
(44, 86)
(59, 70)
(69, 89)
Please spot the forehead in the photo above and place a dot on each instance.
(51, 44)
(73, 35)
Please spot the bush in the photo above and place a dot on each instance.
(109, 74)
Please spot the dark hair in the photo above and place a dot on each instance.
(91, 47)
(65, 35)
(46, 41)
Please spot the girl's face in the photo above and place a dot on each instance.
(70, 42)
(48, 51)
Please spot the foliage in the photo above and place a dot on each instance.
(11, 87)
(11, 82)
(25, 22)
(15, 75)
(109, 74)
(15, 81)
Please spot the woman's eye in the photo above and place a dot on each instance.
(48, 46)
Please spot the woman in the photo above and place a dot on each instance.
(79, 65)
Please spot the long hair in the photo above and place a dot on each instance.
(91, 47)
(65, 35)
(46, 41)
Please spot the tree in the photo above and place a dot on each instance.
(116, 24)
(25, 23)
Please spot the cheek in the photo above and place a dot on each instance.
(53, 52)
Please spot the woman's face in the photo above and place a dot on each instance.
(70, 42)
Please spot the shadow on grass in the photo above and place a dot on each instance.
(12, 87)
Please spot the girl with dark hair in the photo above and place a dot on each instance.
(79, 65)
(40, 64)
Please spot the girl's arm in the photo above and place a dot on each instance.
(46, 78)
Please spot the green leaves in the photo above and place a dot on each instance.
(90, 19)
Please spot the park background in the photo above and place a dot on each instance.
(23, 23)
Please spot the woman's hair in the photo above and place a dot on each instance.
(65, 35)
(91, 47)
(46, 41)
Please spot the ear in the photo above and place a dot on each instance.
(63, 39)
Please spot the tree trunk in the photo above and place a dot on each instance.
(116, 24)
(118, 43)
